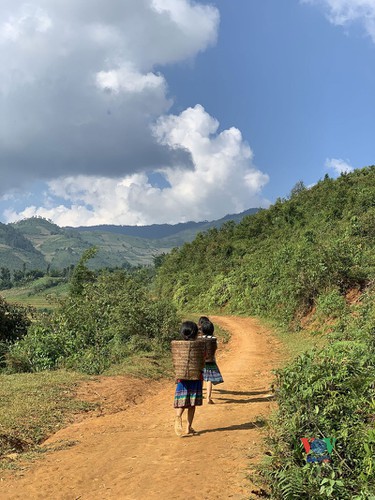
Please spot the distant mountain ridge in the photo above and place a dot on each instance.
(159, 231)
(38, 243)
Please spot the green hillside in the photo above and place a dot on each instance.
(16, 250)
(63, 247)
(277, 262)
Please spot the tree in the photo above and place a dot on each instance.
(82, 273)
(18, 276)
(5, 279)
(297, 189)
(13, 322)
(159, 259)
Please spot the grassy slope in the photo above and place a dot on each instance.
(36, 294)
(34, 405)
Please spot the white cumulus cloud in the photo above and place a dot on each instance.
(222, 180)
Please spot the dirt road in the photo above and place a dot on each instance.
(135, 454)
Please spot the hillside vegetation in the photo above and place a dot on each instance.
(306, 262)
(279, 261)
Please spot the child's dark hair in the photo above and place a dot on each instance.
(189, 330)
(202, 319)
(207, 328)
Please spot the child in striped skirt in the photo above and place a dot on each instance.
(211, 372)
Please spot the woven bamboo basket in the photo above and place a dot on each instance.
(211, 346)
(188, 358)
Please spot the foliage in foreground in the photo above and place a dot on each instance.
(329, 393)
(14, 321)
(102, 322)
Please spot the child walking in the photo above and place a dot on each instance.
(188, 394)
(211, 372)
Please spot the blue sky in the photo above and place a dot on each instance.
(173, 110)
(300, 89)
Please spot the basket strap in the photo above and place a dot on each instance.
(189, 358)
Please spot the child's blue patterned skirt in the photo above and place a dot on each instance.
(211, 373)
(188, 393)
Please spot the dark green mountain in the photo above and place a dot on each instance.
(37, 243)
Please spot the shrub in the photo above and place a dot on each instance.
(110, 318)
(14, 320)
(328, 393)
(331, 304)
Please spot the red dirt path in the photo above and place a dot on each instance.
(134, 453)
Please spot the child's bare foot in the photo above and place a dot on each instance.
(191, 432)
(178, 425)
(210, 402)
